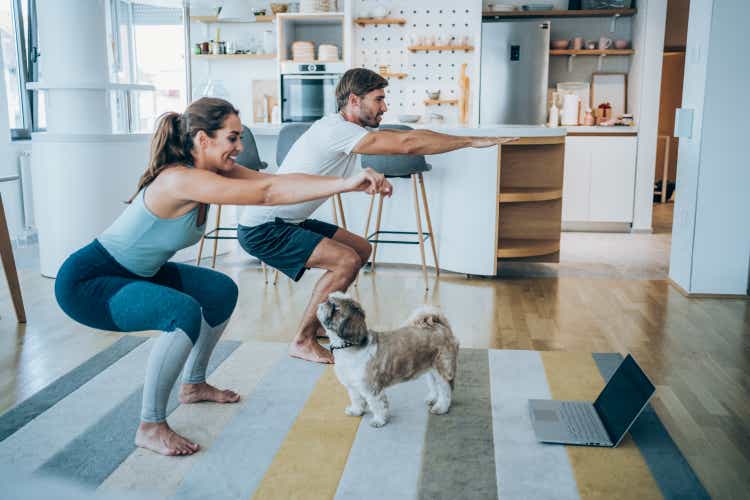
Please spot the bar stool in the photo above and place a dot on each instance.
(249, 158)
(402, 167)
(287, 137)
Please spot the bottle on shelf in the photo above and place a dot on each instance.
(554, 112)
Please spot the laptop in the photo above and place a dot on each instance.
(601, 423)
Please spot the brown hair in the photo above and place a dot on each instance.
(172, 143)
(357, 81)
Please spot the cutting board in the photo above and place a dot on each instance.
(262, 106)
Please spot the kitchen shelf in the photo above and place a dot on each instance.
(310, 61)
(561, 13)
(517, 195)
(607, 52)
(362, 21)
(517, 248)
(400, 76)
(435, 48)
(215, 19)
(449, 102)
(235, 56)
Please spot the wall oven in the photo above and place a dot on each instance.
(308, 90)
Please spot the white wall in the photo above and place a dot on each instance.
(711, 232)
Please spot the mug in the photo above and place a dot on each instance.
(591, 45)
(621, 44)
(605, 43)
(379, 11)
(578, 43)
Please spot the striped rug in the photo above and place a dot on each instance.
(289, 437)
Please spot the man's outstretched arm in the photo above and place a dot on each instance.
(421, 142)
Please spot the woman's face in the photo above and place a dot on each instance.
(222, 149)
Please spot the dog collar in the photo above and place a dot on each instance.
(348, 344)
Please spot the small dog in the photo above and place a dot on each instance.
(368, 361)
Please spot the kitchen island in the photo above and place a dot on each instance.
(486, 205)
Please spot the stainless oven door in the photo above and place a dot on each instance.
(306, 98)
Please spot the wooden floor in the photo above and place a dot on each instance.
(609, 293)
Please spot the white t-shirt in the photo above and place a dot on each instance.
(325, 149)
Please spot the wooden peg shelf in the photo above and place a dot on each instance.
(435, 48)
(449, 102)
(363, 21)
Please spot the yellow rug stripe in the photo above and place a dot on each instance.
(610, 473)
(311, 460)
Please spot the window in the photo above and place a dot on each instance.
(148, 47)
(19, 51)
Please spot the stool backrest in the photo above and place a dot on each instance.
(249, 158)
(287, 137)
(395, 165)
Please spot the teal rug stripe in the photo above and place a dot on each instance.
(29, 409)
(459, 455)
(526, 468)
(94, 455)
(234, 465)
(668, 466)
(395, 448)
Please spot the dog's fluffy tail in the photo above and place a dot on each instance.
(427, 317)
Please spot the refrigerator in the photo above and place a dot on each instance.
(514, 72)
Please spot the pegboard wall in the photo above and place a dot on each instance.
(442, 21)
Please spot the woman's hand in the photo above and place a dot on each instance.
(486, 142)
(369, 181)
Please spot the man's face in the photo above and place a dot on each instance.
(371, 108)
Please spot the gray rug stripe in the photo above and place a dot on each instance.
(234, 465)
(93, 455)
(29, 409)
(459, 455)
(395, 448)
(668, 466)
(526, 468)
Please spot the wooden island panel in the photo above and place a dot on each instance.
(529, 214)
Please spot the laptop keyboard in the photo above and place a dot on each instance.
(579, 421)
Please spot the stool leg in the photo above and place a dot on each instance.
(377, 230)
(341, 209)
(265, 271)
(275, 276)
(335, 214)
(367, 228)
(429, 224)
(216, 239)
(200, 250)
(419, 228)
(9, 265)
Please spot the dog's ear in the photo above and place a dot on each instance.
(353, 327)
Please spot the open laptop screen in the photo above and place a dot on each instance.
(623, 397)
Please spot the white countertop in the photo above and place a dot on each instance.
(614, 130)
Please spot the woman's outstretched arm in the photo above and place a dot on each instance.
(264, 189)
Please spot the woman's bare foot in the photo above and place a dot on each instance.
(195, 393)
(310, 350)
(159, 437)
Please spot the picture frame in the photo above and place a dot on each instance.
(612, 88)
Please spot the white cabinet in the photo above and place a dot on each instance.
(599, 179)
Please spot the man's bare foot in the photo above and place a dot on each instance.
(159, 437)
(195, 393)
(310, 350)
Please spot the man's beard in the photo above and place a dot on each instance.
(369, 120)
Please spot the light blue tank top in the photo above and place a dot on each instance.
(142, 242)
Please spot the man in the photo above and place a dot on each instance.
(284, 237)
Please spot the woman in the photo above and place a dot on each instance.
(123, 282)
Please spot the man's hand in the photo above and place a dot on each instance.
(486, 142)
(369, 181)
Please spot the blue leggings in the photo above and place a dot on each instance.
(190, 304)
(94, 289)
